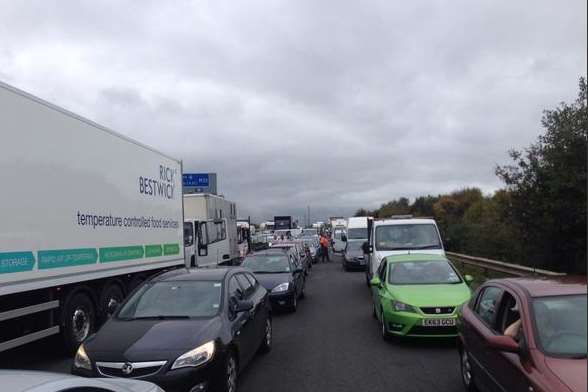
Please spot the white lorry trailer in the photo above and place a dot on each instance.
(210, 230)
(85, 216)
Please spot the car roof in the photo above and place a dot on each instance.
(547, 286)
(410, 221)
(271, 251)
(202, 273)
(415, 257)
(283, 245)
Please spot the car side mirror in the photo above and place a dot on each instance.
(202, 250)
(468, 279)
(503, 343)
(375, 282)
(242, 305)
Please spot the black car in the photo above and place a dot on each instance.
(185, 330)
(300, 253)
(278, 270)
(353, 256)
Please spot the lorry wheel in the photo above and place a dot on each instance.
(78, 320)
(112, 294)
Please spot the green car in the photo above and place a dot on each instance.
(418, 295)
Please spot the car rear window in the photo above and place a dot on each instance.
(357, 233)
(267, 263)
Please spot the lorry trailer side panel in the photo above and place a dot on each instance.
(80, 202)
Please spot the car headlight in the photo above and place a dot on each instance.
(402, 307)
(281, 288)
(196, 357)
(81, 359)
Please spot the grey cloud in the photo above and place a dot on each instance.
(333, 104)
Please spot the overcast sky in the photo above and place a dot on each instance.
(334, 104)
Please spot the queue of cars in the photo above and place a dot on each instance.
(512, 334)
(515, 334)
(196, 329)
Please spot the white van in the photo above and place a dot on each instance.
(401, 235)
(339, 238)
(357, 228)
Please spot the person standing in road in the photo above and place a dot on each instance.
(324, 242)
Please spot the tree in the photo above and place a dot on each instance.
(423, 206)
(361, 212)
(548, 186)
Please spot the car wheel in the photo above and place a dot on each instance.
(294, 305)
(385, 334)
(229, 380)
(266, 344)
(466, 372)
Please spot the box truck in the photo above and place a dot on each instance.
(85, 216)
(282, 222)
(210, 230)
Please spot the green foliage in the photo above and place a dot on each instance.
(548, 186)
(539, 219)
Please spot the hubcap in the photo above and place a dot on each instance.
(268, 333)
(80, 324)
(466, 369)
(231, 375)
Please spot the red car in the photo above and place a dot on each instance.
(525, 334)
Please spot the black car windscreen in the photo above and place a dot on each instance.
(174, 299)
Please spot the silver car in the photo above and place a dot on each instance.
(34, 381)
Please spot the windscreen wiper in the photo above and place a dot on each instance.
(432, 246)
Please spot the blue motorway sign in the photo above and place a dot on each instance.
(195, 179)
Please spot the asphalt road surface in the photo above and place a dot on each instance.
(331, 343)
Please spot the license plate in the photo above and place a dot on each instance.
(439, 322)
